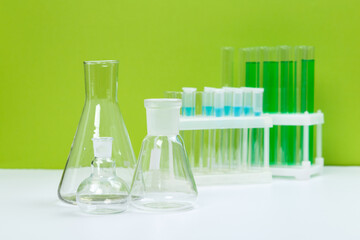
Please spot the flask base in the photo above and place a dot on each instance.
(164, 202)
(103, 204)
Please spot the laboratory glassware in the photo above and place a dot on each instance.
(103, 192)
(101, 117)
(227, 69)
(163, 180)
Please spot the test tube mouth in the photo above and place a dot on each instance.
(100, 62)
(102, 139)
(189, 89)
(162, 103)
(209, 89)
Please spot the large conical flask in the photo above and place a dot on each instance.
(101, 117)
(163, 179)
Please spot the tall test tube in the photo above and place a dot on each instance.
(287, 105)
(227, 67)
(271, 95)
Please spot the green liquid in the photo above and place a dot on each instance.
(307, 98)
(311, 95)
(271, 86)
(271, 101)
(252, 74)
(288, 133)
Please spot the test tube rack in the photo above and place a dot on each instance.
(232, 176)
(305, 170)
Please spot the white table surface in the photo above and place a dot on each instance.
(325, 207)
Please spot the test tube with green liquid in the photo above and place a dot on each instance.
(310, 66)
(208, 138)
(287, 105)
(305, 67)
(271, 95)
(188, 110)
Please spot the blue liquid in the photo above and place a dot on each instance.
(208, 110)
(227, 110)
(257, 114)
(247, 111)
(188, 111)
(219, 112)
(237, 111)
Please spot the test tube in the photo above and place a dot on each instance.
(189, 101)
(305, 93)
(246, 137)
(208, 102)
(228, 101)
(228, 133)
(209, 153)
(310, 62)
(237, 102)
(198, 134)
(257, 158)
(227, 70)
(219, 102)
(237, 112)
(219, 133)
(188, 110)
(271, 95)
(247, 94)
(287, 100)
(252, 67)
(258, 101)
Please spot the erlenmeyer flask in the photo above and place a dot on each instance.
(101, 117)
(163, 179)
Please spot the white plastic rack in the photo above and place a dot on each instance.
(232, 176)
(306, 169)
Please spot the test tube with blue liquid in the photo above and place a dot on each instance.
(237, 112)
(198, 145)
(248, 101)
(228, 133)
(257, 160)
(246, 137)
(237, 102)
(188, 102)
(219, 133)
(258, 101)
(208, 136)
(188, 110)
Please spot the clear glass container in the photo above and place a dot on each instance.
(163, 180)
(101, 117)
(103, 192)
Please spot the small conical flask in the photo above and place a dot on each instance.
(103, 192)
(101, 117)
(163, 179)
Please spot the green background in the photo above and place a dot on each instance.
(162, 45)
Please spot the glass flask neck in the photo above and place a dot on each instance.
(101, 79)
(103, 167)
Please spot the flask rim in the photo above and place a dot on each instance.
(100, 61)
(162, 103)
